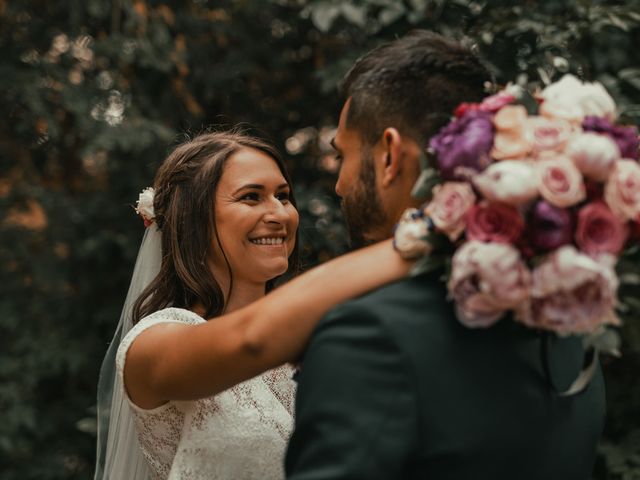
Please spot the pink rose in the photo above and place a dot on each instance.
(622, 191)
(512, 182)
(561, 182)
(447, 209)
(487, 279)
(497, 101)
(571, 293)
(549, 133)
(600, 230)
(593, 154)
(513, 139)
(494, 222)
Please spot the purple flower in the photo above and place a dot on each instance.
(465, 143)
(549, 226)
(625, 137)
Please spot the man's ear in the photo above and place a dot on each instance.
(392, 151)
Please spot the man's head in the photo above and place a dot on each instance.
(397, 96)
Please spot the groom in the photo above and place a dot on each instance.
(392, 386)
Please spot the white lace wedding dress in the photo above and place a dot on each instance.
(238, 434)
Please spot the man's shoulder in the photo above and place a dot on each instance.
(420, 288)
(405, 305)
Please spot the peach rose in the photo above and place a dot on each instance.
(622, 191)
(487, 279)
(571, 293)
(511, 181)
(549, 134)
(513, 139)
(510, 117)
(593, 154)
(561, 182)
(447, 209)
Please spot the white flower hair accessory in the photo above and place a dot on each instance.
(144, 206)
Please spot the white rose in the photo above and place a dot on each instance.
(593, 154)
(410, 236)
(573, 100)
(513, 182)
(596, 101)
(144, 205)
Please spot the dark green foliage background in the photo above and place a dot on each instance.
(93, 94)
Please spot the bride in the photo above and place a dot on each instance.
(181, 397)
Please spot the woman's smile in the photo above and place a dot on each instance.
(268, 241)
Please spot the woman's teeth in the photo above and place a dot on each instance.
(268, 241)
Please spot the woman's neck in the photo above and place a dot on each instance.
(242, 294)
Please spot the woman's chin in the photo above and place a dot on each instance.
(270, 271)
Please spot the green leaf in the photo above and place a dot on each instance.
(606, 340)
(324, 15)
(87, 425)
(428, 179)
(354, 14)
(631, 76)
(390, 14)
(426, 264)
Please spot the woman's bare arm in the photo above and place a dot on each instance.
(182, 362)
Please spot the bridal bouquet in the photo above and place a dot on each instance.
(538, 195)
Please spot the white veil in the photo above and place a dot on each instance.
(119, 455)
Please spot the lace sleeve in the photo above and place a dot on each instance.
(168, 315)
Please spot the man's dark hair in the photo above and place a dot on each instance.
(413, 84)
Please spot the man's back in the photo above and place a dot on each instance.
(393, 386)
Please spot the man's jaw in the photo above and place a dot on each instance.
(363, 224)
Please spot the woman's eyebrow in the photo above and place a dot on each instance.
(252, 186)
(257, 186)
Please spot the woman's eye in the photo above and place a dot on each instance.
(283, 196)
(250, 196)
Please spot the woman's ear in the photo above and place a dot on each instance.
(392, 155)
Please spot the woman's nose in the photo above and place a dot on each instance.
(276, 212)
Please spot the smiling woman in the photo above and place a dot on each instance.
(256, 225)
(182, 397)
(211, 193)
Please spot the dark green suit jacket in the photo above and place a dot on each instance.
(392, 386)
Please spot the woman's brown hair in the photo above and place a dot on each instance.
(185, 188)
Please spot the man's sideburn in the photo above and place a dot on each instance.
(362, 207)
